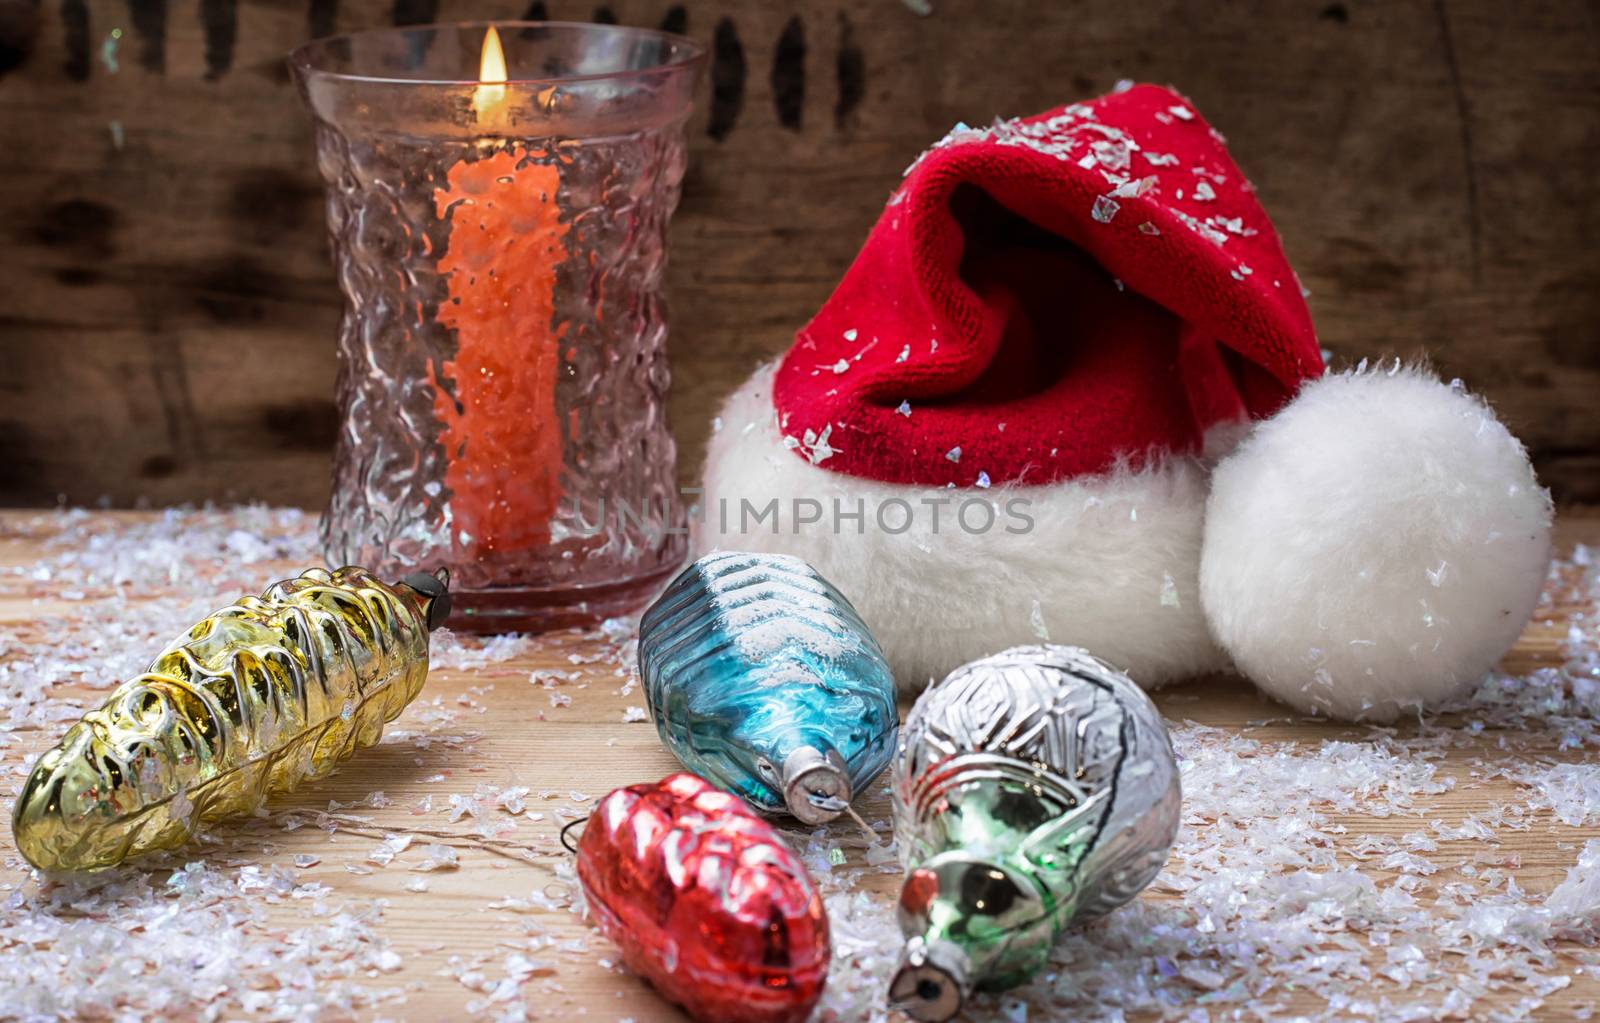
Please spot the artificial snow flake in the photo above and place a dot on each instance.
(633, 714)
(438, 857)
(851, 334)
(1169, 591)
(1232, 225)
(904, 409)
(391, 846)
(181, 809)
(1205, 231)
(1571, 792)
(816, 446)
(1203, 192)
(1181, 112)
(881, 854)
(464, 806)
(511, 799)
(1104, 209)
(449, 650)
(1149, 228)
(983, 480)
(1133, 188)
(1574, 906)
(954, 454)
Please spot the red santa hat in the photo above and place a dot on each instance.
(1006, 422)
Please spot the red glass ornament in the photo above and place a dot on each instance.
(706, 902)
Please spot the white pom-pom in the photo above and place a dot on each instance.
(1375, 547)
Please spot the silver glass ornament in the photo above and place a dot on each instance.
(1033, 789)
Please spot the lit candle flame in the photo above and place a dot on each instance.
(491, 93)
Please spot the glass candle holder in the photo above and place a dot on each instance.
(498, 198)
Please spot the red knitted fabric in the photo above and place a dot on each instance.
(1043, 298)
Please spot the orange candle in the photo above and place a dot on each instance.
(500, 432)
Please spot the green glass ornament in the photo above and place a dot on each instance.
(1033, 790)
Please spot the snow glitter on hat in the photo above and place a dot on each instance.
(1002, 428)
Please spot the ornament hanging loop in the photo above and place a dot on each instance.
(568, 843)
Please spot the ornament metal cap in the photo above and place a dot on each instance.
(930, 983)
(815, 786)
(434, 589)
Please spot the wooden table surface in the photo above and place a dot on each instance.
(491, 725)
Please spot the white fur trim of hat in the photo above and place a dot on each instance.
(1372, 549)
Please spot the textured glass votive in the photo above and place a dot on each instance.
(502, 369)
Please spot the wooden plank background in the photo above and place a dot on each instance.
(167, 308)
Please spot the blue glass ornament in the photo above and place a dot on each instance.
(762, 679)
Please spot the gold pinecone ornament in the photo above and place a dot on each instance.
(250, 701)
